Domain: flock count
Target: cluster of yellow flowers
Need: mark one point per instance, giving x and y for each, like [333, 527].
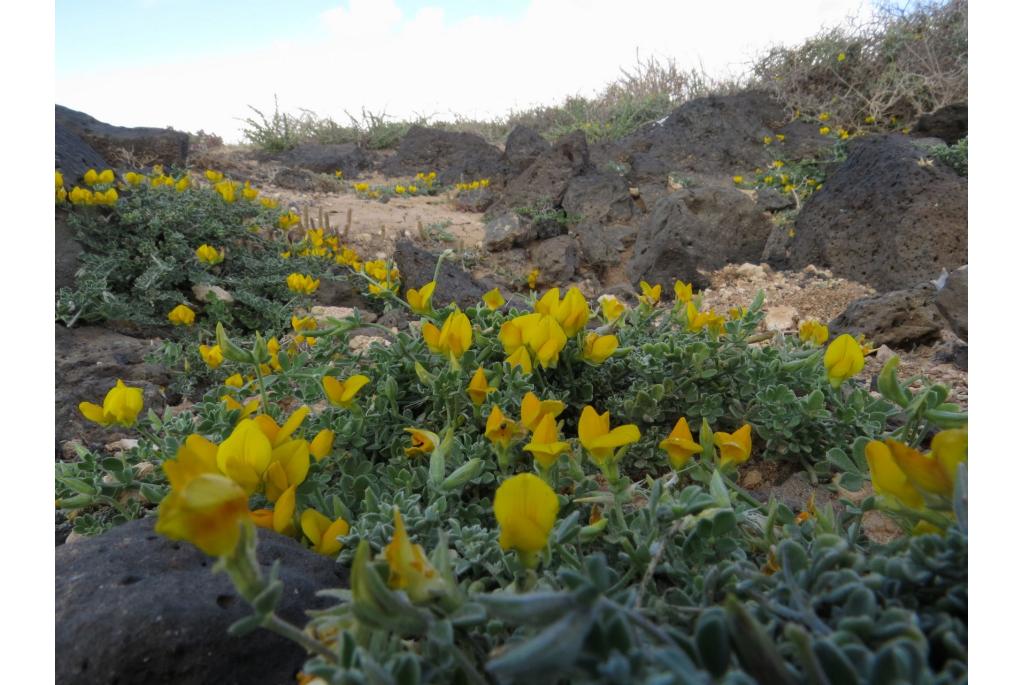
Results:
[426, 179]
[182, 315]
[87, 196]
[211, 485]
[303, 284]
[208, 254]
[474, 185]
[778, 137]
[287, 220]
[381, 278]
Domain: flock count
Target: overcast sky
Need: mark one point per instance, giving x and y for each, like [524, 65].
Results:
[195, 64]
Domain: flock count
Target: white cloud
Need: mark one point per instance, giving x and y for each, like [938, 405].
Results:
[427, 64]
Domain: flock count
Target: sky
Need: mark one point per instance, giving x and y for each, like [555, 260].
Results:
[195, 64]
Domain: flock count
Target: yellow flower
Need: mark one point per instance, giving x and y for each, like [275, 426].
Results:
[399, 190]
[281, 518]
[546, 340]
[734, 448]
[521, 358]
[207, 511]
[245, 455]
[949, 447]
[181, 316]
[499, 429]
[778, 164]
[209, 254]
[493, 299]
[234, 381]
[213, 356]
[410, 570]
[531, 278]
[412, 190]
[841, 57]
[279, 435]
[268, 202]
[736, 313]
[419, 300]
[844, 359]
[611, 308]
[888, 478]
[302, 283]
[226, 189]
[597, 348]
[183, 184]
[767, 140]
[737, 179]
[651, 295]
[286, 220]
[684, 291]
[454, 338]
[700, 320]
[133, 179]
[571, 313]
[869, 119]
[526, 508]
[288, 468]
[824, 116]
[813, 331]
[248, 192]
[342, 394]
[680, 444]
[599, 440]
[769, 179]
[194, 458]
[544, 444]
[532, 410]
[423, 442]
[323, 532]
[824, 130]
[214, 176]
[321, 445]
[478, 388]
[514, 331]
[843, 134]
[121, 405]
[780, 137]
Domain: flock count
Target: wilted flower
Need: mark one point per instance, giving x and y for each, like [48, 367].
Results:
[680, 444]
[121, 405]
[734, 448]
[207, 510]
[342, 394]
[410, 570]
[181, 315]
[526, 508]
[844, 359]
[423, 442]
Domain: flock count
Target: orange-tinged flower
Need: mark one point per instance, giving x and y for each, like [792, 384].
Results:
[680, 445]
[423, 442]
[342, 394]
[544, 445]
[323, 532]
[195, 457]
[735, 447]
[499, 429]
[599, 440]
[411, 571]
[478, 388]
[281, 518]
[949, 447]
[888, 478]
[923, 470]
[813, 331]
[207, 511]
